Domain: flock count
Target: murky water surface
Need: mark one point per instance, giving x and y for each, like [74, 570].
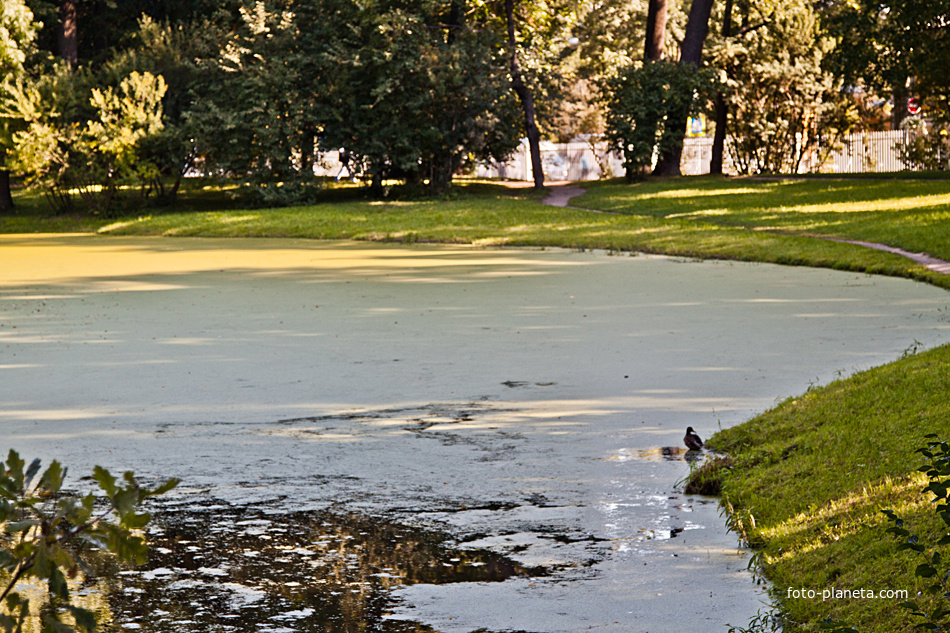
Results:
[227, 568]
[378, 438]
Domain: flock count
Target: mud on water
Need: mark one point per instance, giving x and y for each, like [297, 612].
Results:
[235, 569]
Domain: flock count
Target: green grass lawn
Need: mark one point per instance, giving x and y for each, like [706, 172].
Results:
[810, 477]
[743, 219]
[910, 214]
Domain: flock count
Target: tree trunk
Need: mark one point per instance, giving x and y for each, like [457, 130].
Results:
[719, 138]
[722, 111]
[656, 30]
[307, 146]
[697, 27]
[456, 20]
[441, 171]
[899, 111]
[6, 198]
[68, 37]
[527, 100]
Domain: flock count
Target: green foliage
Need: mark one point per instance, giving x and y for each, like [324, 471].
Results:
[762, 622]
[45, 534]
[17, 32]
[89, 148]
[171, 52]
[639, 101]
[929, 144]
[786, 115]
[932, 608]
[408, 96]
[419, 108]
[885, 43]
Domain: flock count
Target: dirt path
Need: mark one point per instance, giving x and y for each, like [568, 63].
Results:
[932, 263]
[562, 194]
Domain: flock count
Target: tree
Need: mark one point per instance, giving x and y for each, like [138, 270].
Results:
[82, 140]
[898, 48]
[249, 113]
[169, 51]
[639, 102]
[786, 114]
[722, 115]
[17, 31]
[417, 105]
[68, 35]
[406, 93]
[526, 97]
[691, 53]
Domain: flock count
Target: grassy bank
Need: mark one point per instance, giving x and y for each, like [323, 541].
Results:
[810, 477]
[740, 219]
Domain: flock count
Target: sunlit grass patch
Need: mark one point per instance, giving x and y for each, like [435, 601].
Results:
[815, 472]
[773, 221]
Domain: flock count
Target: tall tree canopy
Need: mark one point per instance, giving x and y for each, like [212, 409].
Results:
[406, 93]
[17, 31]
[893, 47]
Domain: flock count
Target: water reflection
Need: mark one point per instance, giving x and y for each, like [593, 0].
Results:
[658, 453]
[237, 569]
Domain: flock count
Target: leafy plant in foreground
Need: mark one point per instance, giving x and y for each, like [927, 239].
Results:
[44, 534]
[930, 570]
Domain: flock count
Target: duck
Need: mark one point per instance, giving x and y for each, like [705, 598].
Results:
[693, 442]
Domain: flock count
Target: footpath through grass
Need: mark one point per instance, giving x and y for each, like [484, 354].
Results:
[742, 219]
[810, 477]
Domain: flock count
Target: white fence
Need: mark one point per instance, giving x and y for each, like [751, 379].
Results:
[859, 153]
[586, 161]
[869, 152]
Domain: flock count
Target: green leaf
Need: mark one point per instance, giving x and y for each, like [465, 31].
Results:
[42, 567]
[135, 521]
[125, 501]
[105, 480]
[20, 526]
[925, 570]
[57, 584]
[164, 487]
[51, 624]
[14, 601]
[15, 467]
[84, 618]
[53, 477]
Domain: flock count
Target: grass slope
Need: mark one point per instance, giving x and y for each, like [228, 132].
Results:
[741, 219]
[810, 477]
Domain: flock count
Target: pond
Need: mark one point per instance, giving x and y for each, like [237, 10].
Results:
[425, 438]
